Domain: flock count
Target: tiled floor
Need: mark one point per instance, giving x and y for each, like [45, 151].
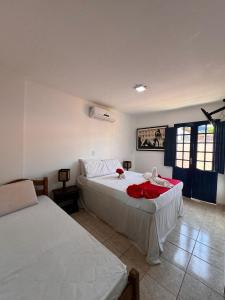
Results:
[192, 264]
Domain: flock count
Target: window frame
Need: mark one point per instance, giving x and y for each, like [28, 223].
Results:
[194, 144]
[183, 160]
[205, 152]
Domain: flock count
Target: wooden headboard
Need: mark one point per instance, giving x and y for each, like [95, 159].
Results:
[41, 185]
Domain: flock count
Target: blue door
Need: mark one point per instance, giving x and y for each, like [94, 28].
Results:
[195, 160]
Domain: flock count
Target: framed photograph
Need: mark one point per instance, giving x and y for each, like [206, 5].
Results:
[151, 138]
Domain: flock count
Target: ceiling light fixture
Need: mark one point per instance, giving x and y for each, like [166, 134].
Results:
[140, 88]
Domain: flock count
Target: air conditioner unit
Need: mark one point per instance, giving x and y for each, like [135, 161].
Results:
[101, 113]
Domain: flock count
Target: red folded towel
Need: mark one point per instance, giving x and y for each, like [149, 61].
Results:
[135, 190]
[148, 190]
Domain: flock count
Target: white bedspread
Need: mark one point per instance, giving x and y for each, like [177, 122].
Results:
[46, 255]
[111, 185]
[147, 222]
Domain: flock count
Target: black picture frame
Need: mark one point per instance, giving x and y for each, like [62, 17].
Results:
[151, 138]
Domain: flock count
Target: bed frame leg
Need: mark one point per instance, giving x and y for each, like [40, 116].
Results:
[131, 291]
[133, 279]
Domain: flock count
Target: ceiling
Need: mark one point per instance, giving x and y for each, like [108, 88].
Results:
[99, 49]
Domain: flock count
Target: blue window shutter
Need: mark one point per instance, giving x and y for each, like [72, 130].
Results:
[219, 147]
[170, 147]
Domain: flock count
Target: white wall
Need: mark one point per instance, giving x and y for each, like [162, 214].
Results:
[144, 161]
[43, 129]
[11, 125]
[58, 131]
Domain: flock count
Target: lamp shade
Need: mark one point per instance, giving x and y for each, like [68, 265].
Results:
[64, 175]
[127, 164]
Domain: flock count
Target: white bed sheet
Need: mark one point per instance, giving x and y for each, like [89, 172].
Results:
[147, 222]
[45, 254]
[111, 185]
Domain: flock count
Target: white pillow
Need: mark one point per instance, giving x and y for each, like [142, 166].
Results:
[97, 167]
[16, 196]
[112, 165]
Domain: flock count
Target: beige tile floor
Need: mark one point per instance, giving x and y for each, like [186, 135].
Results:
[192, 264]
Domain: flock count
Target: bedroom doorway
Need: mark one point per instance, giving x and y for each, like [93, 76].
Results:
[194, 163]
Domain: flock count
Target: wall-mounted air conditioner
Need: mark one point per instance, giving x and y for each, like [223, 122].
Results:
[101, 113]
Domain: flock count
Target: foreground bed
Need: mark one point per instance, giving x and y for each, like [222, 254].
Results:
[146, 222]
[45, 254]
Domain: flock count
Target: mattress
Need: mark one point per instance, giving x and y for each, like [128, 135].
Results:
[111, 185]
[45, 254]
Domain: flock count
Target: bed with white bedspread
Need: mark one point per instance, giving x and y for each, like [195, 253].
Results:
[45, 254]
[147, 222]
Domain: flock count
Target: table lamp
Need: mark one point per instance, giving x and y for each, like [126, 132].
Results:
[64, 176]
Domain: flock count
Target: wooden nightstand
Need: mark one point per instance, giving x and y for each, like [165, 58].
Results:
[67, 198]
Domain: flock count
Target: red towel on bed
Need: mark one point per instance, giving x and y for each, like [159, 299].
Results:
[148, 190]
[171, 180]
